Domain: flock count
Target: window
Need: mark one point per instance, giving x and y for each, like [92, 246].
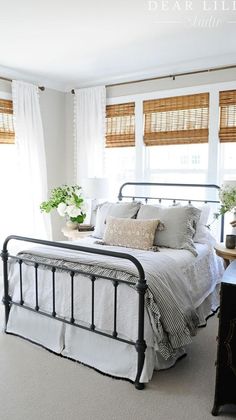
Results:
[7, 135]
[196, 159]
[179, 163]
[181, 122]
[172, 139]
[120, 142]
[120, 125]
[227, 116]
[176, 120]
[227, 133]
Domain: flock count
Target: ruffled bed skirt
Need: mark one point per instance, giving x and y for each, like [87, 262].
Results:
[104, 354]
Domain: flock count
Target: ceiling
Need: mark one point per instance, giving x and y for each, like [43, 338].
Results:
[74, 43]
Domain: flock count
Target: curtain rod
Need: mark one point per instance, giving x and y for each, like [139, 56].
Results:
[10, 80]
[172, 76]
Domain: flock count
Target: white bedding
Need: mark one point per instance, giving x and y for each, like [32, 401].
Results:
[199, 274]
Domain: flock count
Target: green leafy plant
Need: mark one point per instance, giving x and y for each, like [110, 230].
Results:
[227, 196]
[68, 202]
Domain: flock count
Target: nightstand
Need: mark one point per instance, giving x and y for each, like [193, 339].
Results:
[225, 386]
[73, 234]
[225, 253]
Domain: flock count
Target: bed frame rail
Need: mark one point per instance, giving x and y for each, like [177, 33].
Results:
[141, 287]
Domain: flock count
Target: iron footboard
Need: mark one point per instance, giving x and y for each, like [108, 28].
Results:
[141, 287]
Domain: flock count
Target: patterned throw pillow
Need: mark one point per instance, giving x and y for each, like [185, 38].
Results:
[130, 233]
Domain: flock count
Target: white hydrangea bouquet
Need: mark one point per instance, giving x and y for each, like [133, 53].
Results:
[227, 196]
[68, 202]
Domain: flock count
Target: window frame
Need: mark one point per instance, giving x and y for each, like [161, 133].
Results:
[215, 173]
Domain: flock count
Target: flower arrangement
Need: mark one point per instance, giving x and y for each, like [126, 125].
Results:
[227, 196]
[68, 202]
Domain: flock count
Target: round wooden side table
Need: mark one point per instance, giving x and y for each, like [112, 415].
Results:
[73, 234]
[225, 253]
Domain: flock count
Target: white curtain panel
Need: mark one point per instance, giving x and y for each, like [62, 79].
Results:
[90, 108]
[32, 173]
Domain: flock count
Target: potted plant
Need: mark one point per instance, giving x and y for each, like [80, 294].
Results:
[69, 204]
[227, 196]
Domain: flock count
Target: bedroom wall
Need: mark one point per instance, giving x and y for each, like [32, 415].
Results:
[5, 86]
[165, 84]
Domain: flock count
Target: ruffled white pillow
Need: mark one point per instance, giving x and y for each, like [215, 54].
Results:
[179, 225]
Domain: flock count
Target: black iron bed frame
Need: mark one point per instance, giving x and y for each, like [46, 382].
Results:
[141, 286]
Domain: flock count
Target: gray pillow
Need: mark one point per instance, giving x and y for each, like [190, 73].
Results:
[121, 210]
[179, 225]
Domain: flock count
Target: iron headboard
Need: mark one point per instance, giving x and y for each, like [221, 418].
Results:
[146, 197]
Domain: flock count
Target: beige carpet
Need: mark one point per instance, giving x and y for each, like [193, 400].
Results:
[37, 385]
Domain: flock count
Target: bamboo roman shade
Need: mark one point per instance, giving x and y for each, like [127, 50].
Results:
[120, 125]
[176, 120]
[227, 116]
[7, 135]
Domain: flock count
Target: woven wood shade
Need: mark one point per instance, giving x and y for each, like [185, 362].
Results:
[120, 125]
[176, 120]
[227, 116]
[7, 134]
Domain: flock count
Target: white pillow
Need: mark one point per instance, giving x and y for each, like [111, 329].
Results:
[130, 233]
[202, 232]
[122, 210]
[179, 225]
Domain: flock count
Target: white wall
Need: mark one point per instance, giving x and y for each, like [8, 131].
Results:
[5, 86]
[166, 84]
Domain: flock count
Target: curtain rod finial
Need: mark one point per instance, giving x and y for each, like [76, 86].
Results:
[73, 91]
[42, 88]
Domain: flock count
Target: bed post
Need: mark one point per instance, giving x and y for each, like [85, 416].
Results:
[6, 298]
[140, 344]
